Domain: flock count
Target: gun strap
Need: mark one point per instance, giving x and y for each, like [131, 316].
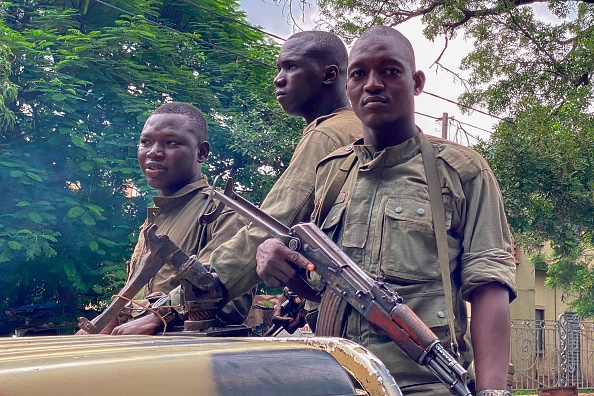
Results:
[332, 193]
[441, 236]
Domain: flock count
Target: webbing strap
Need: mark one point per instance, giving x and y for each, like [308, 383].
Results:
[332, 193]
[438, 213]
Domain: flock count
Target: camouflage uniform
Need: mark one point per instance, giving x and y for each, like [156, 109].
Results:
[290, 200]
[382, 219]
[177, 217]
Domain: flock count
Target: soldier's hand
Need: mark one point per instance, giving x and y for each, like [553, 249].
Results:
[277, 265]
[145, 325]
[106, 330]
[289, 323]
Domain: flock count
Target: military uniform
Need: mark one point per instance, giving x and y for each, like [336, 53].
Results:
[177, 217]
[382, 219]
[290, 200]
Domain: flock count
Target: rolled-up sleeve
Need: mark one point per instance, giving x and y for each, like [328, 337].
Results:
[486, 244]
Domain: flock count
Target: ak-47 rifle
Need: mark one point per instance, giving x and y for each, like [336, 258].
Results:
[344, 279]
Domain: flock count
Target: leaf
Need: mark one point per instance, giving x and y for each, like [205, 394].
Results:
[75, 212]
[16, 173]
[78, 141]
[86, 166]
[69, 269]
[14, 245]
[88, 220]
[93, 245]
[35, 217]
[23, 204]
[34, 176]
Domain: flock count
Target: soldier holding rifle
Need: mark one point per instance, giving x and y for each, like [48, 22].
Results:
[374, 199]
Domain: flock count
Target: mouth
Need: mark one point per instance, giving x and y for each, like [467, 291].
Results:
[374, 101]
[154, 170]
[280, 94]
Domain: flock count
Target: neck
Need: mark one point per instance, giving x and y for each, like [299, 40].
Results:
[327, 106]
[381, 138]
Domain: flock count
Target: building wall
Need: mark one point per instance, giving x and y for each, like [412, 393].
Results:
[532, 292]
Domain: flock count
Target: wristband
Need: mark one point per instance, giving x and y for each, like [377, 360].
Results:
[493, 392]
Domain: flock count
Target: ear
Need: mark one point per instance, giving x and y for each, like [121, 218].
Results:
[203, 151]
[330, 74]
[419, 79]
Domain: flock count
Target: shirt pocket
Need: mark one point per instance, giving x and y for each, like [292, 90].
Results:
[408, 249]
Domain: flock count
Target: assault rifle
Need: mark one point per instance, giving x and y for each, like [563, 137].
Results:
[344, 280]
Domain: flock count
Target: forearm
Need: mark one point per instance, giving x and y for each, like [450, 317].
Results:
[490, 331]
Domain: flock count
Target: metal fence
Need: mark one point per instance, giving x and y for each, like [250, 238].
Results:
[547, 353]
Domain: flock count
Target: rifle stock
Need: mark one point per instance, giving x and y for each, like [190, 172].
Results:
[342, 277]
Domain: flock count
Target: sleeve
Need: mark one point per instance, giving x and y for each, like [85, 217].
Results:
[486, 243]
[290, 201]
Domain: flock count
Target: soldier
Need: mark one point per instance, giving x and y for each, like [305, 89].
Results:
[311, 84]
[171, 150]
[384, 219]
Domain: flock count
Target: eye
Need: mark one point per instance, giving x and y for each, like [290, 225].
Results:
[292, 66]
[143, 141]
[356, 74]
[392, 71]
[173, 143]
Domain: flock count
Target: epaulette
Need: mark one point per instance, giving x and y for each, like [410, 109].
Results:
[464, 160]
[342, 152]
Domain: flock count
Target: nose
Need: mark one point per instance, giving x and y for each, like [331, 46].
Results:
[374, 82]
[279, 81]
[155, 151]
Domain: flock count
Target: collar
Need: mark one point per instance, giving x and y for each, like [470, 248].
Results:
[323, 118]
[180, 196]
[390, 156]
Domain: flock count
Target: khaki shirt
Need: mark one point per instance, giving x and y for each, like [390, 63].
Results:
[290, 200]
[177, 217]
[382, 219]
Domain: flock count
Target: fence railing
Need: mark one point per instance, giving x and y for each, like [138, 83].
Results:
[547, 353]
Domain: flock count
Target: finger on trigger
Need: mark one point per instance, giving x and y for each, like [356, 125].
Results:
[301, 261]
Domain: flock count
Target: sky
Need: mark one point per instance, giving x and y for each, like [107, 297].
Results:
[274, 18]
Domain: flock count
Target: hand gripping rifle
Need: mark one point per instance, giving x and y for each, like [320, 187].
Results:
[344, 279]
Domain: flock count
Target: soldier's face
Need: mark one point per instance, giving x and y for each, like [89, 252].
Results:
[299, 79]
[170, 153]
[381, 81]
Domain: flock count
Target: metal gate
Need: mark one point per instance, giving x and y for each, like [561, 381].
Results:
[547, 353]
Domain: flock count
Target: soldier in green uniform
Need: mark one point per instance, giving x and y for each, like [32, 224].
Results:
[171, 150]
[383, 218]
[311, 84]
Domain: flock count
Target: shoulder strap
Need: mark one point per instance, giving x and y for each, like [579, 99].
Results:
[438, 213]
[335, 186]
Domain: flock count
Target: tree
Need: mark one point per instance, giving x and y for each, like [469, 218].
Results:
[537, 74]
[77, 81]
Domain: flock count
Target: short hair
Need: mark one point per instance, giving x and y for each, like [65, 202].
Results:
[195, 116]
[386, 31]
[329, 47]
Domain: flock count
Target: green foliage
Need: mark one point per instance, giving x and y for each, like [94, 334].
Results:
[77, 81]
[544, 166]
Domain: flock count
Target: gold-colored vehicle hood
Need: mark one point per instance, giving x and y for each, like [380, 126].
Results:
[183, 365]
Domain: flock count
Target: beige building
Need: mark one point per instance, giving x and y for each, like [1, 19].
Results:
[535, 301]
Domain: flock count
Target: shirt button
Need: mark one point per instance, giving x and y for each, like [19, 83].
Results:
[349, 148]
[441, 314]
[441, 147]
[398, 209]
[421, 211]
[333, 218]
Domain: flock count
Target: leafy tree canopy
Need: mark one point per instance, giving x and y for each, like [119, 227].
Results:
[538, 73]
[77, 81]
